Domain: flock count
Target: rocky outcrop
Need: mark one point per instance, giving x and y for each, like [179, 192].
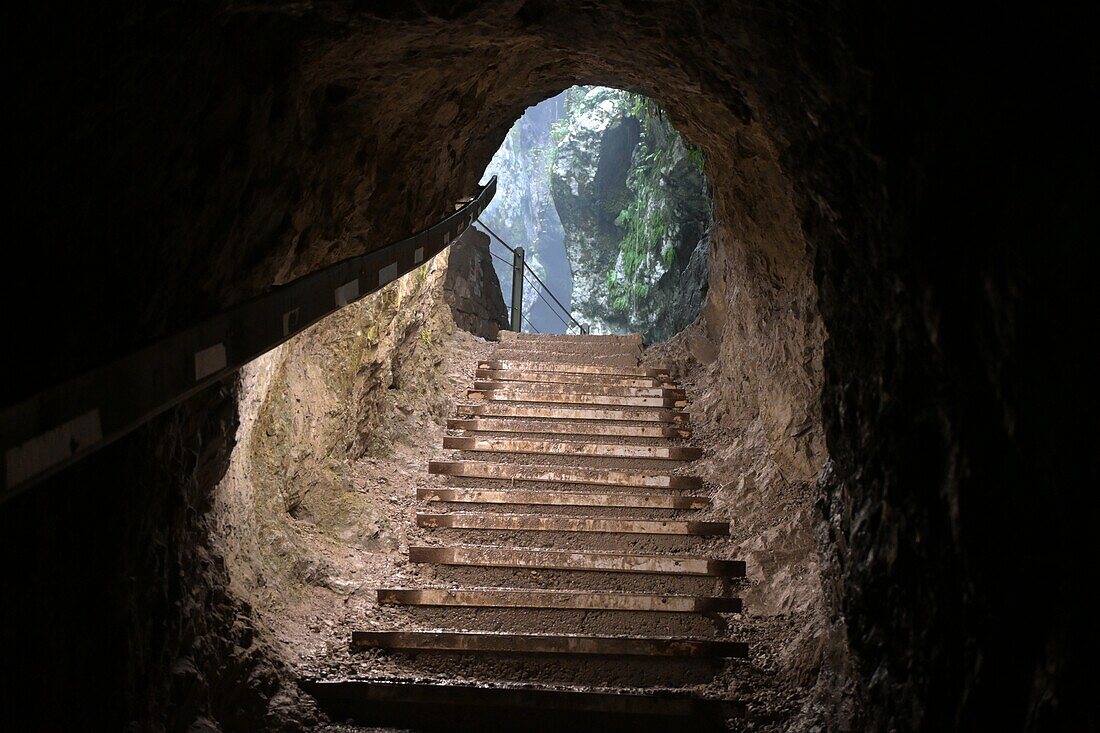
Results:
[634, 205]
[471, 287]
[686, 294]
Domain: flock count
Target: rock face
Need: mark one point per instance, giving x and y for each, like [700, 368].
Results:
[635, 206]
[472, 289]
[354, 385]
[895, 296]
[523, 213]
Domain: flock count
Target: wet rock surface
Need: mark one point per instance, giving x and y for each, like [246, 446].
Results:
[634, 205]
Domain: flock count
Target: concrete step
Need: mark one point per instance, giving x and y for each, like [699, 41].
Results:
[573, 448]
[543, 523]
[530, 395]
[559, 599]
[581, 561]
[506, 375]
[564, 367]
[607, 390]
[564, 498]
[548, 412]
[555, 474]
[494, 425]
[493, 642]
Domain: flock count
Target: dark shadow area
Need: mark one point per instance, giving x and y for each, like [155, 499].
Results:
[462, 707]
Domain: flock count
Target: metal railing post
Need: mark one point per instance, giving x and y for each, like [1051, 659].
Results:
[517, 290]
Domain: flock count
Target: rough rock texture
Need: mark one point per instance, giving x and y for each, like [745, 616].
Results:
[800, 676]
[360, 386]
[472, 289]
[915, 183]
[692, 292]
[121, 610]
[634, 206]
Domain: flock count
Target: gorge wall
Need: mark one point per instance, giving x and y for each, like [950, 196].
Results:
[901, 199]
[523, 214]
[612, 209]
[635, 207]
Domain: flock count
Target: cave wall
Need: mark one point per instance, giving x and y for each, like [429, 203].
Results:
[948, 359]
[912, 183]
[355, 386]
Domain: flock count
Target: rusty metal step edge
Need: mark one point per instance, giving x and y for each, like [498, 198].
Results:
[572, 344]
[498, 409]
[558, 599]
[579, 561]
[602, 390]
[511, 340]
[667, 403]
[565, 368]
[618, 357]
[554, 523]
[447, 696]
[504, 425]
[571, 644]
[564, 498]
[632, 338]
[582, 353]
[608, 380]
[557, 474]
[573, 448]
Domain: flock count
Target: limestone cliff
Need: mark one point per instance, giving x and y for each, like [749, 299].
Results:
[635, 207]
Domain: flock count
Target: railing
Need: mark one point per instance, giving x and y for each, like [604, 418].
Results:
[61, 425]
[520, 268]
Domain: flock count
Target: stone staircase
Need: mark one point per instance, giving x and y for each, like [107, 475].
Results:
[572, 567]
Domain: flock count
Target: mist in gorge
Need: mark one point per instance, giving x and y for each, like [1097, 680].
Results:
[612, 209]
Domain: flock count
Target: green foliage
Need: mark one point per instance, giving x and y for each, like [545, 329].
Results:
[695, 155]
[647, 216]
[668, 256]
[558, 130]
[646, 213]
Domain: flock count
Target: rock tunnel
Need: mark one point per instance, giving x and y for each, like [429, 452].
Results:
[895, 323]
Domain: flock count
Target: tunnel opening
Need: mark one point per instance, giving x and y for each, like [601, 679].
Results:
[889, 269]
[612, 209]
[334, 428]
